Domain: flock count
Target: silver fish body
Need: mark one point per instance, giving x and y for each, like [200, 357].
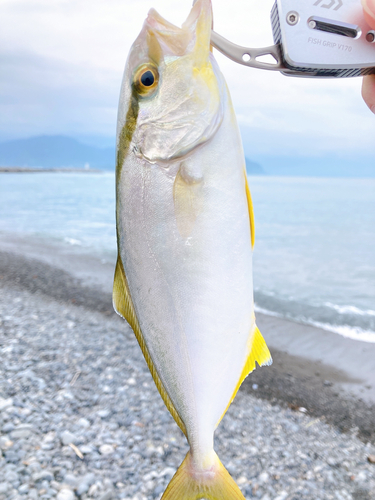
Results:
[185, 232]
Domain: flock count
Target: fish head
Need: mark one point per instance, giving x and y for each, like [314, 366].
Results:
[172, 95]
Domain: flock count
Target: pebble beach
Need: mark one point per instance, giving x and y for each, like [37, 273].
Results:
[80, 417]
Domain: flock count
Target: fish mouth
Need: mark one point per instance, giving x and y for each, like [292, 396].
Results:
[194, 35]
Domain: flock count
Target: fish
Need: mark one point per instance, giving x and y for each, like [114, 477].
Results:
[185, 236]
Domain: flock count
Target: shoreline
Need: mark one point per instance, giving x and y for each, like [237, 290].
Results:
[328, 375]
[33, 170]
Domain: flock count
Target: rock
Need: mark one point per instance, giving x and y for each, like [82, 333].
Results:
[86, 449]
[70, 480]
[371, 459]
[49, 437]
[5, 443]
[263, 478]
[106, 449]
[43, 475]
[241, 480]
[361, 476]
[83, 422]
[65, 494]
[33, 494]
[11, 476]
[282, 495]
[93, 490]
[83, 484]
[34, 466]
[4, 487]
[11, 457]
[68, 438]
[168, 471]
[269, 449]
[107, 495]
[5, 403]
[24, 488]
[103, 413]
[309, 475]
[21, 433]
[8, 427]
[158, 490]
[266, 497]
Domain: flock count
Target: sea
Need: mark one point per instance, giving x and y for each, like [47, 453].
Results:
[314, 255]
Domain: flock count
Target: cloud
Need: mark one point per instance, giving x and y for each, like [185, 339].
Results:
[40, 95]
[62, 62]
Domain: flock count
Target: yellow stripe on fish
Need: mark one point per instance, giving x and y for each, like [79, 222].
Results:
[251, 210]
[123, 305]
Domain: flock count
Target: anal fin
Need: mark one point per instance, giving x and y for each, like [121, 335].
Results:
[258, 353]
[123, 305]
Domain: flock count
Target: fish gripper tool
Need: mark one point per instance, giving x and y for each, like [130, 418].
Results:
[314, 38]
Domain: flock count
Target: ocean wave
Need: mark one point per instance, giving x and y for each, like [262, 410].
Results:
[350, 309]
[351, 332]
[73, 241]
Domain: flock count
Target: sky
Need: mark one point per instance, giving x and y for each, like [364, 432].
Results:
[61, 65]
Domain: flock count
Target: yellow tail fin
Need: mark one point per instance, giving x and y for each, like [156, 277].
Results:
[217, 484]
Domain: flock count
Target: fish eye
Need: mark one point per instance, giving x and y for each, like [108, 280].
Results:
[146, 79]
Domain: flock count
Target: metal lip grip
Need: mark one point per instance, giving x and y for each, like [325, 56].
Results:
[328, 37]
[318, 38]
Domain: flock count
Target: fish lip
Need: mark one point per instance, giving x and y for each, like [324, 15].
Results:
[173, 39]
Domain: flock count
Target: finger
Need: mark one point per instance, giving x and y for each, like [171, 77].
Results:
[368, 86]
[369, 12]
[368, 91]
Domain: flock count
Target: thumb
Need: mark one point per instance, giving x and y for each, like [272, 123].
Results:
[368, 87]
[369, 12]
[368, 91]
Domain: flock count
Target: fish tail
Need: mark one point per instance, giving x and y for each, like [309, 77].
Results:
[215, 484]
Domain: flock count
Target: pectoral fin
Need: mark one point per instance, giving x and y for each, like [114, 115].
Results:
[258, 353]
[123, 305]
[188, 200]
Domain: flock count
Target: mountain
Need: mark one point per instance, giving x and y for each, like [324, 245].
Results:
[54, 151]
[327, 165]
[58, 151]
[253, 168]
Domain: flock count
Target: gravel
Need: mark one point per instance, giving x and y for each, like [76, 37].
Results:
[80, 418]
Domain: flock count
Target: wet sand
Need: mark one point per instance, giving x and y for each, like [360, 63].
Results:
[313, 369]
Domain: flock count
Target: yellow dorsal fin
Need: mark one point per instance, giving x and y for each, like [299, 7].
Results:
[258, 352]
[251, 211]
[123, 305]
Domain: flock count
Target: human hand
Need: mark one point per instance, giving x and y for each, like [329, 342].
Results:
[368, 86]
